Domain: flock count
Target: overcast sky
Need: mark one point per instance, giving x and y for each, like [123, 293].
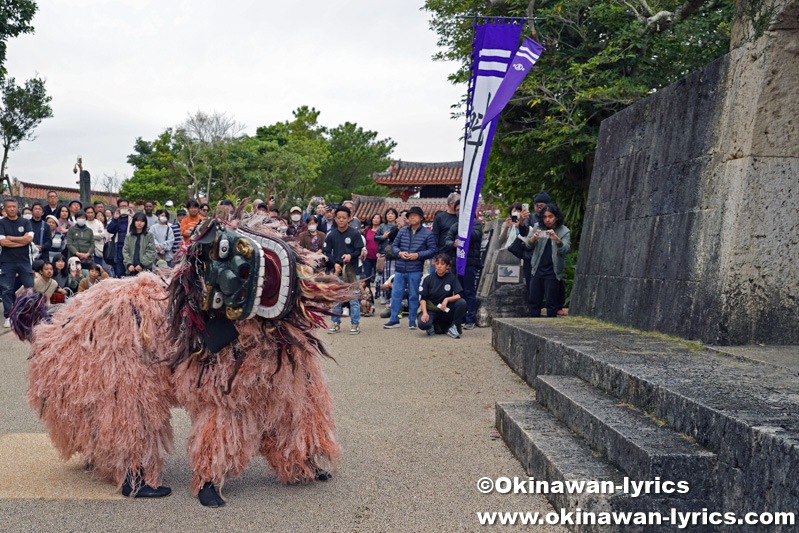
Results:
[123, 69]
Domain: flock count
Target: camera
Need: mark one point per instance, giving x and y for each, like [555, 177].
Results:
[514, 218]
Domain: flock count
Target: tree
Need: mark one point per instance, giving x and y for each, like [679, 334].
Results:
[354, 155]
[108, 182]
[23, 108]
[15, 18]
[293, 153]
[600, 56]
[148, 184]
[293, 160]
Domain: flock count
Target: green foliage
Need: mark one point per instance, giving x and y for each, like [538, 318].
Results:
[600, 56]
[757, 15]
[22, 109]
[354, 155]
[292, 160]
[15, 18]
[148, 183]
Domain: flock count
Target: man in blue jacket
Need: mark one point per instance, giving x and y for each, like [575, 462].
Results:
[414, 244]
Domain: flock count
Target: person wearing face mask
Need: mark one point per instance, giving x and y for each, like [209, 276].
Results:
[164, 237]
[80, 239]
[296, 225]
[512, 223]
[312, 239]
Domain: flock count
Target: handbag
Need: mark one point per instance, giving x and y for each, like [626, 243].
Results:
[389, 252]
[381, 263]
[517, 248]
[109, 252]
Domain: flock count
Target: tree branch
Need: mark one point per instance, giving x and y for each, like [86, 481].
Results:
[657, 22]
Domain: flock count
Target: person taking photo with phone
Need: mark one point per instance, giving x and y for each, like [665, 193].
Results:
[118, 228]
[549, 244]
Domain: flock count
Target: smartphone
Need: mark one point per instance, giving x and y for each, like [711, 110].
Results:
[525, 207]
[514, 218]
[272, 197]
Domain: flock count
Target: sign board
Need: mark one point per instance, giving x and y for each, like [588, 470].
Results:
[509, 273]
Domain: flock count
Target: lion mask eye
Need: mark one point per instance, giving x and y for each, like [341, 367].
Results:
[224, 248]
[217, 302]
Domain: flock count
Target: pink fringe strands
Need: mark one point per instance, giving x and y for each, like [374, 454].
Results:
[96, 382]
[265, 392]
[106, 367]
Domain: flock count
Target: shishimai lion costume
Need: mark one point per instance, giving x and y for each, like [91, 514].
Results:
[228, 335]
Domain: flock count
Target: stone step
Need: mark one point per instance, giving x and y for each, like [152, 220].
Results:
[641, 448]
[746, 412]
[549, 451]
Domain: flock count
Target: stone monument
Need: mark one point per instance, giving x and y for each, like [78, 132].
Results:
[502, 291]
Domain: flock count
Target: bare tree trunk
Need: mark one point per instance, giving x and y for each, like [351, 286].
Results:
[3, 170]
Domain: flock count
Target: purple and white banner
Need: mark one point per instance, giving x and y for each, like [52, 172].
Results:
[497, 73]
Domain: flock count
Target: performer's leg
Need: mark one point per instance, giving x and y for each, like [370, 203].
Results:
[298, 418]
[223, 403]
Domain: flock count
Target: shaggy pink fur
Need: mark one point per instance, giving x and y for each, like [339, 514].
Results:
[96, 383]
[98, 379]
[284, 414]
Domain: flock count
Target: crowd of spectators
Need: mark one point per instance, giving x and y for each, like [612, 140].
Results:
[60, 249]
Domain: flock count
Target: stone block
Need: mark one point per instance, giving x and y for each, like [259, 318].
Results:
[694, 201]
[744, 411]
[627, 438]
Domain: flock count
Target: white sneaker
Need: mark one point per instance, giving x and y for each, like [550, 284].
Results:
[453, 332]
[7, 323]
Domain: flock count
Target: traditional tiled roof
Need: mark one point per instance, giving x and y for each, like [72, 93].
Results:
[367, 206]
[39, 192]
[408, 173]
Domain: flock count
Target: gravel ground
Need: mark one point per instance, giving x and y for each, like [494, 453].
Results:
[414, 414]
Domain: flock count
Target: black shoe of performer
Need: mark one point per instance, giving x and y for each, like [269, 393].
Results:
[322, 475]
[209, 496]
[145, 491]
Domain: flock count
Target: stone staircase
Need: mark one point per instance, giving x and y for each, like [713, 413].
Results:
[613, 403]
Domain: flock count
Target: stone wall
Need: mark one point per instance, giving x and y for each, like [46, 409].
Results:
[692, 222]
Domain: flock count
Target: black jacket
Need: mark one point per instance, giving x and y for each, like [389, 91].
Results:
[42, 238]
[336, 244]
[441, 225]
[475, 241]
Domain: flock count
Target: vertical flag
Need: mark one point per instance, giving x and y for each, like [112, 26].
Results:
[496, 75]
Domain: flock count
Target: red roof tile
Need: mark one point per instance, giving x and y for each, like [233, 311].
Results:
[367, 206]
[417, 174]
[39, 192]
